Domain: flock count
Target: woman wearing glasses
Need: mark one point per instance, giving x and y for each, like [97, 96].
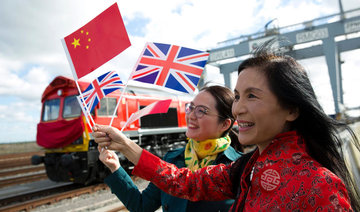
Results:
[209, 126]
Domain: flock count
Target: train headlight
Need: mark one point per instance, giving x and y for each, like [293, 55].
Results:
[59, 92]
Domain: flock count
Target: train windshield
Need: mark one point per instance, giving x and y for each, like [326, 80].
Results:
[51, 109]
[71, 107]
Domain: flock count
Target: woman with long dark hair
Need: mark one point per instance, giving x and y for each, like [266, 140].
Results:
[298, 164]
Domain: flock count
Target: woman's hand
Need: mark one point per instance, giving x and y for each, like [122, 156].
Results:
[111, 138]
[109, 158]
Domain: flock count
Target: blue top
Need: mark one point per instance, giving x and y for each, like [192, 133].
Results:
[152, 197]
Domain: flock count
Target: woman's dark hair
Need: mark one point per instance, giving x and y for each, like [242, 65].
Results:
[224, 99]
[291, 85]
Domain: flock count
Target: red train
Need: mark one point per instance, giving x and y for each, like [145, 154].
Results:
[71, 155]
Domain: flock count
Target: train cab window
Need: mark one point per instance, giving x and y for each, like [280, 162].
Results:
[71, 107]
[107, 106]
[51, 109]
[160, 120]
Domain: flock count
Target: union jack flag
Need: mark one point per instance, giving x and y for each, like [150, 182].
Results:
[101, 87]
[171, 66]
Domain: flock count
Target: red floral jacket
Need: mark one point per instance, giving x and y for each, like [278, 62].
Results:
[283, 178]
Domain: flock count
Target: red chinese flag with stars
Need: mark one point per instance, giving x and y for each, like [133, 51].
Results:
[97, 42]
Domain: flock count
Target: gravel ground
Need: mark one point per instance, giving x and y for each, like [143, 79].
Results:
[99, 201]
[10, 148]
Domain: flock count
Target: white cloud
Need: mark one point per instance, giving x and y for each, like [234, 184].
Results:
[318, 73]
[28, 86]
[19, 121]
[18, 112]
[351, 77]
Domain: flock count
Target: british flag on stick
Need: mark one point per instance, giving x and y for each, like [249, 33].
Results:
[171, 66]
[100, 87]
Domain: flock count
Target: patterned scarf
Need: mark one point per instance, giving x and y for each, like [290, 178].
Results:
[200, 154]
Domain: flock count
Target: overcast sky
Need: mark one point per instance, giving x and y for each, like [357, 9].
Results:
[31, 53]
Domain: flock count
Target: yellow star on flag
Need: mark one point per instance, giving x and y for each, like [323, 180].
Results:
[96, 42]
[76, 42]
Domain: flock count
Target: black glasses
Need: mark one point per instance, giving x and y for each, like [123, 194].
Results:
[199, 110]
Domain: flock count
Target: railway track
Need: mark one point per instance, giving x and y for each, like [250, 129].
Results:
[17, 169]
[17, 173]
[16, 193]
[35, 198]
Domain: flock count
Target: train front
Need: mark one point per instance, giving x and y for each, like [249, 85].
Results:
[70, 155]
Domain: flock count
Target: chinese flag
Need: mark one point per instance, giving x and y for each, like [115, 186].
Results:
[97, 42]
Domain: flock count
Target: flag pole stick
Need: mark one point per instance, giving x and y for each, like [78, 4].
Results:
[127, 84]
[118, 102]
[76, 79]
[86, 108]
[126, 122]
[84, 112]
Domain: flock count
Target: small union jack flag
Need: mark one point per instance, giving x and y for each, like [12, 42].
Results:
[171, 66]
[101, 87]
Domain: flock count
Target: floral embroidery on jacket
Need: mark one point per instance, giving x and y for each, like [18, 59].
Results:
[285, 178]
